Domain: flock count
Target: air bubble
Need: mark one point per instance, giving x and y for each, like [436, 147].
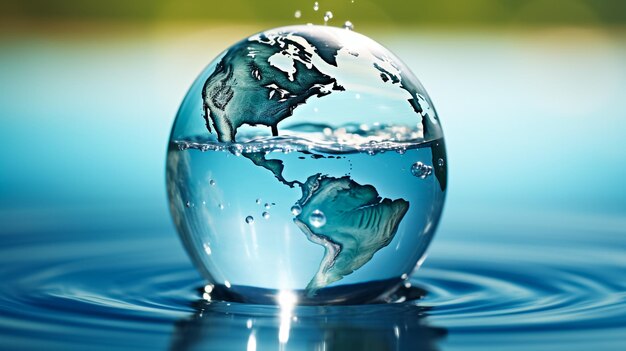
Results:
[258, 201]
[267, 206]
[249, 219]
[212, 182]
[296, 210]
[421, 170]
[317, 219]
[220, 206]
[440, 162]
[266, 215]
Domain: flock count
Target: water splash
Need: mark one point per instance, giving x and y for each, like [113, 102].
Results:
[327, 17]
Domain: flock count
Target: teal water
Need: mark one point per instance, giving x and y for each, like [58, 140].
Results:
[246, 226]
[529, 254]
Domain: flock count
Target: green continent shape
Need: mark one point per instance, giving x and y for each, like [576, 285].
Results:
[358, 224]
[246, 88]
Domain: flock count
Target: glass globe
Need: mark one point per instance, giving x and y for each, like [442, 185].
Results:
[307, 161]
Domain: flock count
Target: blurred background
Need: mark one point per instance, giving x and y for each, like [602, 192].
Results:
[531, 95]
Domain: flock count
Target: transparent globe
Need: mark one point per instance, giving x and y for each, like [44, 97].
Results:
[306, 160]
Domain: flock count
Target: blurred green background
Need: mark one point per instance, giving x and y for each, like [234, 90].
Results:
[379, 12]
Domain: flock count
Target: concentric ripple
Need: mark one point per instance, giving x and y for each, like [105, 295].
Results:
[135, 289]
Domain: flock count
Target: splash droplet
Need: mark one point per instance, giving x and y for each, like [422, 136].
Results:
[249, 219]
[421, 170]
[266, 215]
[212, 182]
[267, 206]
[296, 209]
[316, 6]
[298, 14]
[258, 201]
[317, 219]
[220, 206]
[348, 25]
[328, 16]
[440, 162]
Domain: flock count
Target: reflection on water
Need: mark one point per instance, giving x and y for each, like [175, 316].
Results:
[99, 285]
[233, 326]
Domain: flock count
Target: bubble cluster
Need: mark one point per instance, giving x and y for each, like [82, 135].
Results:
[421, 170]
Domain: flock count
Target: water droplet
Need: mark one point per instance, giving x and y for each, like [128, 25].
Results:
[328, 16]
[298, 14]
[440, 162]
[188, 204]
[220, 206]
[212, 182]
[404, 276]
[249, 219]
[348, 25]
[316, 6]
[207, 249]
[258, 201]
[296, 209]
[266, 215]
[317, 219]
[421, 170]
[267, 206]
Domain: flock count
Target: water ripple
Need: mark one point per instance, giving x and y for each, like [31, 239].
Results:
[120, 292]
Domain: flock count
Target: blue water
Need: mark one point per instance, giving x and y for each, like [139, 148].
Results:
[530, 253]
[108, 284]
[217, 199]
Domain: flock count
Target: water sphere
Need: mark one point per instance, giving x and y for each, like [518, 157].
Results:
[340, 139]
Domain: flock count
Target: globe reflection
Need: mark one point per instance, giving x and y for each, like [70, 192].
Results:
[235, 326]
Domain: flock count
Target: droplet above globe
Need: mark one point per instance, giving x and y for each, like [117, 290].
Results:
[325, 127]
